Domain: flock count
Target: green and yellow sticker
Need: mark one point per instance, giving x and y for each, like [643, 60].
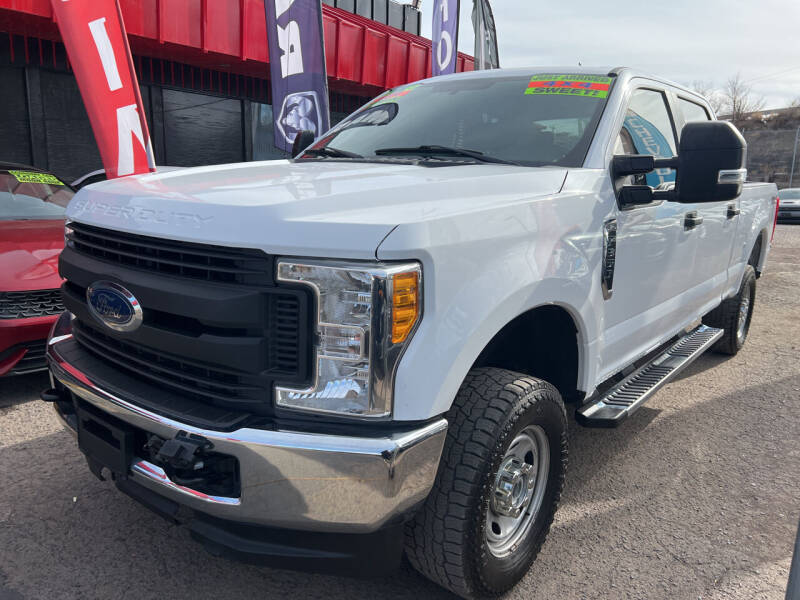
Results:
[397, 93]
[589, 86]
[34, 177]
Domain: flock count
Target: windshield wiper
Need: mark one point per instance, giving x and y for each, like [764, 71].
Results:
[331, 152]
[445, 150]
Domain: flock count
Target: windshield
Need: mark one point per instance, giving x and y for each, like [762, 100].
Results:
[790, 194]
[532, 120]
[32, 195]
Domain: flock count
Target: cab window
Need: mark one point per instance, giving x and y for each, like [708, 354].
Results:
[647, 129]
[692, 112]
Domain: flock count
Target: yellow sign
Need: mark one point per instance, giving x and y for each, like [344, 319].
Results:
[34, 177]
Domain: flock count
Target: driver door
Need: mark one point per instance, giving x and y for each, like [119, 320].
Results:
[654, 253]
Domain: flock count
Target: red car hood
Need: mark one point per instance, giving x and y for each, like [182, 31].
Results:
[29, 254]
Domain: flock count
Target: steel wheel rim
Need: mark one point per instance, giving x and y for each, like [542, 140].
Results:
[522, 478]
[744, 312]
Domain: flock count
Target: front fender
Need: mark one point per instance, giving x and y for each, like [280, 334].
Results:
[482, 270]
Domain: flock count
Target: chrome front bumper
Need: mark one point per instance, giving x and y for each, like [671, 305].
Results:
[289, 479]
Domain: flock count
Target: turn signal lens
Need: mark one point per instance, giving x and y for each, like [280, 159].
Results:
[405, 304]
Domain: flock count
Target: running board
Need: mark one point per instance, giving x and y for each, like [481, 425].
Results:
[622, 400]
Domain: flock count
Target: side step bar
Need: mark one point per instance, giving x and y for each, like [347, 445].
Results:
[623, 399]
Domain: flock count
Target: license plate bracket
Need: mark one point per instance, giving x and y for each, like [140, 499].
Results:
[105, 440]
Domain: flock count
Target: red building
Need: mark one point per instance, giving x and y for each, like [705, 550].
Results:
[203, 69]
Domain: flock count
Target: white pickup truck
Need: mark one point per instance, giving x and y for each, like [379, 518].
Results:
[374, 347]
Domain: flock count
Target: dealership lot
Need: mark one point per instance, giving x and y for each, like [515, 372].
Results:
[698, 495]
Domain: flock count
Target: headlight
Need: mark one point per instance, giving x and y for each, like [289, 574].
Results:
[366, 316]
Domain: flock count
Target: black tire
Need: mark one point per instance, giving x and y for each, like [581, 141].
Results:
[447, 541]
[726, 315]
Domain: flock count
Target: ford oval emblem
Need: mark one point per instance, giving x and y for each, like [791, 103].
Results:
[114, 306]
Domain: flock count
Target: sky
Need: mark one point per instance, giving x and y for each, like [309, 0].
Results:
[682, 40]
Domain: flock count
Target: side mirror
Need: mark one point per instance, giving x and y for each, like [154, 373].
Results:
[302, 140]
[623, 165]
[632, 164]
[636, 195]
[711, 159]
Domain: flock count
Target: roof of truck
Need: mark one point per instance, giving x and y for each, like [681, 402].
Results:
[626, 72]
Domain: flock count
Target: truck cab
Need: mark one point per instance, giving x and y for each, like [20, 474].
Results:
[373, 347]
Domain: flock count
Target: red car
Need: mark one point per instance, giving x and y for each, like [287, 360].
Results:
[32, 205]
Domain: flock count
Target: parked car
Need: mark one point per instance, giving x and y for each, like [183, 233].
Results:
[32, 205]
[790, 205]
[374, 347]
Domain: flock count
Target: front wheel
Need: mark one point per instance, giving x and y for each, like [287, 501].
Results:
[734, 315]
[498, 485]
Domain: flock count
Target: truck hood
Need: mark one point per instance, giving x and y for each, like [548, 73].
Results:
[314, 208]
[29, 254]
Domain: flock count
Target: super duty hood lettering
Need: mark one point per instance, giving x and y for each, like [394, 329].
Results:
[304, 208]
[140, 214]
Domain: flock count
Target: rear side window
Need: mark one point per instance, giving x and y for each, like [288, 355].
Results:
[647, 129]
[692, 112]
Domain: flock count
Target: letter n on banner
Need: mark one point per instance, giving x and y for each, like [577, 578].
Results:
[94, 35]
[297, 69]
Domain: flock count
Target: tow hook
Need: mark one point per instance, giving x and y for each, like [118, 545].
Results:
[183, 452]
[50, 395]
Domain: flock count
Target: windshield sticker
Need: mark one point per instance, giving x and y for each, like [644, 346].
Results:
[34, 177]
[589, 86]
[398, 93]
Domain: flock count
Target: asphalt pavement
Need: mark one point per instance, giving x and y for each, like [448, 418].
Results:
[696, 496]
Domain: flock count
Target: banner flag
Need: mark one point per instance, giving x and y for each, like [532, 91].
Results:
[486, 56]
[297, 69]
[97, 46]
[445, 37]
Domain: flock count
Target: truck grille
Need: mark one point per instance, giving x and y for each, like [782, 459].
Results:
[172, 258]
[24, 305]
[218, 332]
[158, 368]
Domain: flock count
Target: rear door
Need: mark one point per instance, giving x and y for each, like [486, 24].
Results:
[715, 229]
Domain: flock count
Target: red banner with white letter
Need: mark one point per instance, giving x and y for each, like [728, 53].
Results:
[94, 35]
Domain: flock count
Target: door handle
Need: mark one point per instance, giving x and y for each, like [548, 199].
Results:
[733, 211]
[692, 220]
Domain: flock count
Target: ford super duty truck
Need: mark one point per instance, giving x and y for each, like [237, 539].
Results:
[375, 347]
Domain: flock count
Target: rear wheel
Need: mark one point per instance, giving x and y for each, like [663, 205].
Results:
[498, 485]
[734, 315]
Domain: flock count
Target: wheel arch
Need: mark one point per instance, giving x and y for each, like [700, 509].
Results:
[547, 341]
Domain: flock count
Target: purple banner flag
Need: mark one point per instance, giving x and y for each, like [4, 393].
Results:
[297, 69]
[445, 37]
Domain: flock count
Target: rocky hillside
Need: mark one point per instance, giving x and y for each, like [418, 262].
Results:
[770, 139]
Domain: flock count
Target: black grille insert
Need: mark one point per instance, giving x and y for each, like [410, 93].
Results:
[24, 305]
[210, 384]
[170, 257]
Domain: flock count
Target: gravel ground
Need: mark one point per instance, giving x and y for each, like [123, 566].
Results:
[696, 496]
